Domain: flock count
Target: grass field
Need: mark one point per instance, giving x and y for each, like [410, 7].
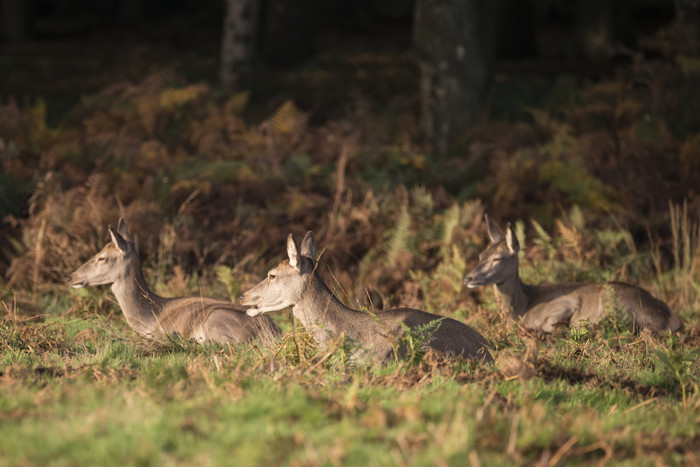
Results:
[78, 387]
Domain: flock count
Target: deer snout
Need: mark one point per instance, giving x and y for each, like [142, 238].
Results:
[246, 300]
[251, 303]
[77, 280]
[75, 284]
[471, 281]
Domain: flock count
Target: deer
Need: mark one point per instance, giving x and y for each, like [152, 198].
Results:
[295, 283]
[542, 307]
[199, 318]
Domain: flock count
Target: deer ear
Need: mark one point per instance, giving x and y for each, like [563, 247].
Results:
[123, 231]
[512, 240]
[293, 253]
[308, 246]
[118, 240]
[494, 231]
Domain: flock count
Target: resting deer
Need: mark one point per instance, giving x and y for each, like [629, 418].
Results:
[199, 318]
[295, 283]
[541, 307]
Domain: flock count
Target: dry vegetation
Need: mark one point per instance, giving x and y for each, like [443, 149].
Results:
[605, 173]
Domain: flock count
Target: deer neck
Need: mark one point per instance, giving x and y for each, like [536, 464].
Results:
[140, 306]
[512, 294]
[321, 313]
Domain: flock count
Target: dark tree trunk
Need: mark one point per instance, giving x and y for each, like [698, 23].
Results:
[454, 40]
[237, 43]
[688, 13]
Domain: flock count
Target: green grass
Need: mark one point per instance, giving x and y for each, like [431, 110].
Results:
[117, 399]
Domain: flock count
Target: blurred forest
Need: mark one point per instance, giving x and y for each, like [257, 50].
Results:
[217, 127]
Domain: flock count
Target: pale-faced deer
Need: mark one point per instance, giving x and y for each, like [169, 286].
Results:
[541, 307]
[199, 318]
[295, 283]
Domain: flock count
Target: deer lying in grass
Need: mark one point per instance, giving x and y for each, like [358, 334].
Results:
[541, 307]
[295, 283]
[199, 318]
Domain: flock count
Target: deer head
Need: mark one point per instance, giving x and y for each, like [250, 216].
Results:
[499, 262]
[111, 264]
[285, 284]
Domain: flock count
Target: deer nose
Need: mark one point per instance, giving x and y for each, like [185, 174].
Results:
[69, 278]
[240, 299]
[468, 279]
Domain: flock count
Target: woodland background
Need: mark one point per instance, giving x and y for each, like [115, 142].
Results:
[388, 128]
[589, 104]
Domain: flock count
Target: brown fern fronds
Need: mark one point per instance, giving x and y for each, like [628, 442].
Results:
[571, 238]
[287, 119]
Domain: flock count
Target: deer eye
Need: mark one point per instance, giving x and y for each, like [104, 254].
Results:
[101, 258]
[271, 276]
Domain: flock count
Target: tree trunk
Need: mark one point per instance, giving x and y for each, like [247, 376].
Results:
[454, 40]
[688, 13]
[237, 43]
